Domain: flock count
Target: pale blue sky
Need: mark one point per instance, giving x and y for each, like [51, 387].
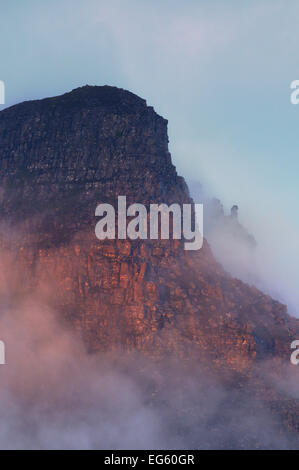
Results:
[219, 71]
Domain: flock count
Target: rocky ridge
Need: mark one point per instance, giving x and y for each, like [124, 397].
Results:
[59, 158]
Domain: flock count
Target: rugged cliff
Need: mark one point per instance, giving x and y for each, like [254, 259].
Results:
[59, 158]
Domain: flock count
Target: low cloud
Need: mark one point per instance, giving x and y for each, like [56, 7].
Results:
[53, 395]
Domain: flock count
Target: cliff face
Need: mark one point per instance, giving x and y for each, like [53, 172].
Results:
[59, 158]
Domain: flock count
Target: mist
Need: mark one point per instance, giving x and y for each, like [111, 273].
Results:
[260, 250]
[54, 395]
[220, 74]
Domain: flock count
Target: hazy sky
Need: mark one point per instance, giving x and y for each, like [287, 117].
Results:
[220, 72]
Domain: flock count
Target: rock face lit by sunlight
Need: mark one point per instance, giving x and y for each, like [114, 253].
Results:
[142, 335]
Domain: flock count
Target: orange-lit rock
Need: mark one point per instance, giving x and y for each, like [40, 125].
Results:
[60, 158]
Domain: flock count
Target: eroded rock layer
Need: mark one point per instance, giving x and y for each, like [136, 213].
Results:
[59, 158]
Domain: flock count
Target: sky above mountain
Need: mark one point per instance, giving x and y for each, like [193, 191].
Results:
[220, 72]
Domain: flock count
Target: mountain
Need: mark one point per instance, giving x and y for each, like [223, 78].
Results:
[59, 158]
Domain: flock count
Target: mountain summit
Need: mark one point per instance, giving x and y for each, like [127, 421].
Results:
[59, 158]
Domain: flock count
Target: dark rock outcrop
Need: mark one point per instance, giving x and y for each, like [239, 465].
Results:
[59, 158]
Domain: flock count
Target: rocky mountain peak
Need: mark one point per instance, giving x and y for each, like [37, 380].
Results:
[59, 158]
